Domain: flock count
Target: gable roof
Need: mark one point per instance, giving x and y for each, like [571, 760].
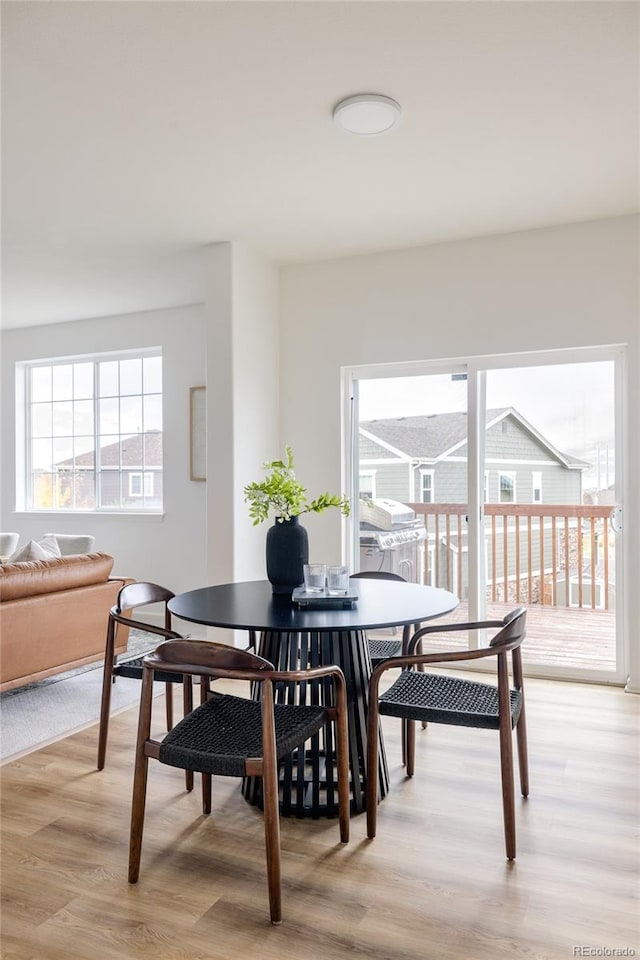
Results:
[432, 437]
[126, 453]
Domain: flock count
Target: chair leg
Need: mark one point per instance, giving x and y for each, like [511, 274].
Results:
[105, 705]
[206, 793]
[137, 818]
[372, 768]
[140, 778]
[523, 753]
[187, 707]
[272, 839]
[168, 699]
[344, 800]
[410, 748]
[508, 799]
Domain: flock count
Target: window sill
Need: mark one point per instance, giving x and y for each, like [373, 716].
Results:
[138, 514]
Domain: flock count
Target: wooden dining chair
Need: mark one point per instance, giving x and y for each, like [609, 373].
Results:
[231, 736]
[132, 596]
[453, 700]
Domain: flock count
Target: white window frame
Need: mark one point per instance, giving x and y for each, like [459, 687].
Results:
[509, 475]
[370, 474]
[431, 475]
[536, 486]
[24, 404]
[146, 483]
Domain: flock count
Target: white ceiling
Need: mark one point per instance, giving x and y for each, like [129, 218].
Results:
[136, 133]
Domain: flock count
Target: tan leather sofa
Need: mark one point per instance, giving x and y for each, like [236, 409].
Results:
[53, 615]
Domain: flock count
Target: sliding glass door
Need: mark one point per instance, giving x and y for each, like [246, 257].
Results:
[499, 480]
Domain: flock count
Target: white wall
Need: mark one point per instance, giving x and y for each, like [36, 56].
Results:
[568, 286]
[243, 402]
[169, 549]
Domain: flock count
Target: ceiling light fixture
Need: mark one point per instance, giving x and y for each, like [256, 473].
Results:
[367, 114]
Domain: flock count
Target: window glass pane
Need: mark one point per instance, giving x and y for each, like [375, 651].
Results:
[108, 378]
[41, 420]
[152, 374]
[506, 488]
[83, 418]
[63, 453]
[131, 414]
[109, 416]
[131, 452]
[63, 382]
[42, 491]
[42, 455]
[153, 449]
[130, 377]
[84, 452]
[109, 482]
[82, 380]
[85, 490]
[152, 406]
[109, 454]
[62, 418]
[40, 384]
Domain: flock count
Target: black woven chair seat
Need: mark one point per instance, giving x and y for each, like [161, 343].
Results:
[441, 699]
[218, 736]
[132, 667]
[383, 649]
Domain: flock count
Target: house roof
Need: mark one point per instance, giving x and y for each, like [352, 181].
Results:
[126, 453]
[434, 436]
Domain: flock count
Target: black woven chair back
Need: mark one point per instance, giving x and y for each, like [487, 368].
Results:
[381, 648]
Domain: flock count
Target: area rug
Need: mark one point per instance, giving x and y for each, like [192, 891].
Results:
[42, 712]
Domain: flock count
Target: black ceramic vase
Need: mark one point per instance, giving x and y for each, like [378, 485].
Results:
[287, 553]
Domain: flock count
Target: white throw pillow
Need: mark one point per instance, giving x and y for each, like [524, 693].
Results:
[44, 549]
[30, 551]
[50, 545]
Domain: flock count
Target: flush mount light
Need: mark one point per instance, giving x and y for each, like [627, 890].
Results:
[367, 114]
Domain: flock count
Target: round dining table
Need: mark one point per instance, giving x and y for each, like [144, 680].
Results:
[327, 631]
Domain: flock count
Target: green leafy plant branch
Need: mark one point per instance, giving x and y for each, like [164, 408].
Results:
[282, 495]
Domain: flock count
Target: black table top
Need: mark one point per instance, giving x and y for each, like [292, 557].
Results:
[252, 606]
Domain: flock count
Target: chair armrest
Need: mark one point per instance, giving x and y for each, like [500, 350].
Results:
[451, 628]
[146, 627]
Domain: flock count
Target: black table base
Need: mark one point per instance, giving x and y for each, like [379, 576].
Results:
[308, 780]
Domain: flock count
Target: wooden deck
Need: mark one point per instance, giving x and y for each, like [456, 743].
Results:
[562, 637]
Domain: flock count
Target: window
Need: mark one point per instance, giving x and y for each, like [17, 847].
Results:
[94, 433]
[537, 487]
[426, 486]
[141, 484]
[367, 485]
[506, 488]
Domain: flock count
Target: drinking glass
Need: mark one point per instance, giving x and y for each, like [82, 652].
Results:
[338, 580]
[315, 575]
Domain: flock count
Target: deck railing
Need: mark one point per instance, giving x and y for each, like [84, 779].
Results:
[555, 555]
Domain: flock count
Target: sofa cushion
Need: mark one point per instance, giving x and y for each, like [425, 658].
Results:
[33, 577]
[69, 543]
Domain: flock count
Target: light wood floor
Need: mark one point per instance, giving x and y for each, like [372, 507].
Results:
[433, 884]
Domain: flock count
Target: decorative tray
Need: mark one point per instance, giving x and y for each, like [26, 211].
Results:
[301, 598]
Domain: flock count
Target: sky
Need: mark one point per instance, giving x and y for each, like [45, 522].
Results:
[572, 405]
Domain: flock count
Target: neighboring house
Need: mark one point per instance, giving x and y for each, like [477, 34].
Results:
[424, 460]
[129, 470]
